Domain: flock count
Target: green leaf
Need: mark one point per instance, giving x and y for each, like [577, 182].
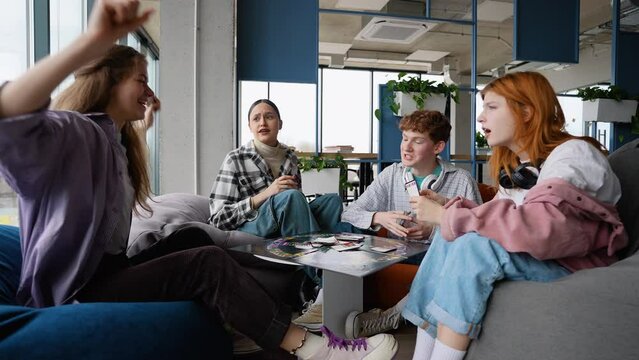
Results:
[613, 92]
[395, 108]
[378, 114]
[480, 140]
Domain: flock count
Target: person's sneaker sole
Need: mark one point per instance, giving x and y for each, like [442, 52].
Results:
[390, 346]
[311, 327]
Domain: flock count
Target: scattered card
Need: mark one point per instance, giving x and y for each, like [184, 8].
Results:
[383, 249]
[331, 240]
[348, 237]
[304, 246]
[346, 246]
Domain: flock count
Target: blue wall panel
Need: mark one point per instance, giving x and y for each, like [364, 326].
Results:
[546, 30]
[390, 137]
[625, 63]
[277, 40]
[626, 76]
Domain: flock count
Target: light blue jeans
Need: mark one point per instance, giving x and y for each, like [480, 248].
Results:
[289, 214]
[455, 280]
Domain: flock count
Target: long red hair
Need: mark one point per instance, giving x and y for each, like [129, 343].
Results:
[539, 120]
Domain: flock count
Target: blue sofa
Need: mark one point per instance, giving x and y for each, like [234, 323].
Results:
[175, 330]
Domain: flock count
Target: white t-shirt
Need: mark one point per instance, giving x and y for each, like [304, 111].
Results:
[582, 165]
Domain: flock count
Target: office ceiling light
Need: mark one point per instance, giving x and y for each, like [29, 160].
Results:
[361, 4]
[427, 55]
[494, 11]
[393, 30]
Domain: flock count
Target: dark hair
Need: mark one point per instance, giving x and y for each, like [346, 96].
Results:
[434, 123]
[267, 102]
[91, 92]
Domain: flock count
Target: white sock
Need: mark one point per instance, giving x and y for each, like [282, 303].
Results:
[311, 345]
[320, 297]
[442, 351]
[423, 345]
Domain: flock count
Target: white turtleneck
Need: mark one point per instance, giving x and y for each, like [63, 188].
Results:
[273, 155]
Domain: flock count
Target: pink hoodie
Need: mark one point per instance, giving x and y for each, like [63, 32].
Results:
[556, 221]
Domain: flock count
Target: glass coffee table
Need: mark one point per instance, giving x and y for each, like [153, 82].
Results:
[343, 271]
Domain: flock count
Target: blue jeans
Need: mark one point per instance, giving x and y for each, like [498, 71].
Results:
[289, 214]
[455, 280]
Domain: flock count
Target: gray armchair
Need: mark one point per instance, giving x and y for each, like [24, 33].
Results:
[591, 314]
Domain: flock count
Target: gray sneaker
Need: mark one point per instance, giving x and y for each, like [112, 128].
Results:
[378, 347]
[362, 324]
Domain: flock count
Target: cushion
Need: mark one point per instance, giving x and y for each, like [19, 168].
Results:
[10, 263]
[95, 331]
[179, 212]
[625, 165]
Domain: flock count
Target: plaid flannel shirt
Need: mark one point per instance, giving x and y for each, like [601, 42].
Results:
[244, 174]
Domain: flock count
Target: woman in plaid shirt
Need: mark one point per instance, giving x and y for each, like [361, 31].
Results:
[257, 188]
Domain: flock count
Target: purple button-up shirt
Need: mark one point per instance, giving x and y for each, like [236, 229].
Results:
[67, 169]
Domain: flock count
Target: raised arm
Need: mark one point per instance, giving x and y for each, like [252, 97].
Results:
[110, 20]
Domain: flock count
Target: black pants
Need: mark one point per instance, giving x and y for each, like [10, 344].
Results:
[206, 274]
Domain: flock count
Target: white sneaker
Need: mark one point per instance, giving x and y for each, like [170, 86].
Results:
[311, 317]
[378, 347]
[359, 324]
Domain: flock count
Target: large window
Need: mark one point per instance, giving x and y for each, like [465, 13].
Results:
[14, 60]
[348, 99]
[14, 39]
[346, 109]
[296, 103]
[66, 21]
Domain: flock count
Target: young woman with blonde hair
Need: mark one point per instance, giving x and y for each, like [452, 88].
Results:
[79, 171]
[554, 214]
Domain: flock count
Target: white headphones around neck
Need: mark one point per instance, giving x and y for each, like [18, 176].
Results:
[431, 182]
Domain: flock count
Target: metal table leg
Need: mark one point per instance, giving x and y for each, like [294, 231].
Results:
[342, 294]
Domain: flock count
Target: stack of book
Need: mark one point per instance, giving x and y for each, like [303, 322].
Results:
[339, 148]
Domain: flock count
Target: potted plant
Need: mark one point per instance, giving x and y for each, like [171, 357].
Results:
[406, 95]
[319, 174]
[481, 143]
[608, 105]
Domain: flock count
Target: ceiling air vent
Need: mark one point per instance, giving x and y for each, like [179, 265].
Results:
[393, 31]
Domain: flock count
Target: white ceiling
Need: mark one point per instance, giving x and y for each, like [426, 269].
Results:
[494, 40]
[338, 32]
